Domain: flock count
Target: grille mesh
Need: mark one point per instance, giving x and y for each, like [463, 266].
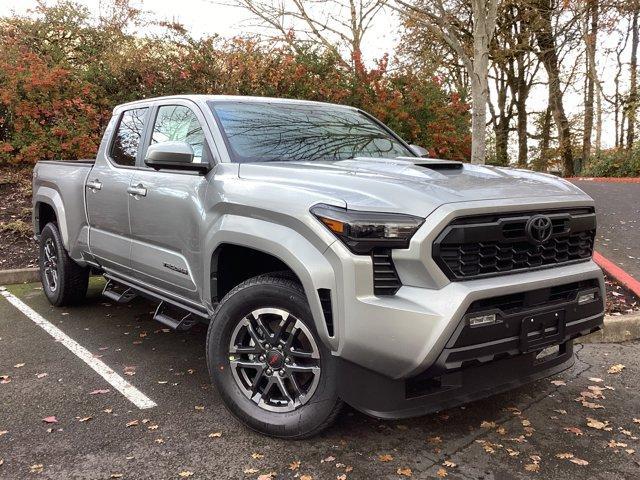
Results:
[468, 250]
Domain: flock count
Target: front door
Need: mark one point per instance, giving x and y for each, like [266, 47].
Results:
[106, 193]
[166, 213]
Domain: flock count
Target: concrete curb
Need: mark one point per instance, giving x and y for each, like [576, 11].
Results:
[616, 329]
[19, 275]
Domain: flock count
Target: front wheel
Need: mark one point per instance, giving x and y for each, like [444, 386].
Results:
[266, 360]
[64, 281]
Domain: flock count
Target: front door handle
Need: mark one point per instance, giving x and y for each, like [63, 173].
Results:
[137, 191]
[95, 185]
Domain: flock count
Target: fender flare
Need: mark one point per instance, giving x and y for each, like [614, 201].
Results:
[51, 197]
[289, 246]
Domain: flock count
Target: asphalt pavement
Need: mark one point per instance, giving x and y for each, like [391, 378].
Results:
[537, 431]
[618, 213]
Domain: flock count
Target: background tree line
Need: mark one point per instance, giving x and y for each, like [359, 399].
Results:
[543, 84]
[62, 70]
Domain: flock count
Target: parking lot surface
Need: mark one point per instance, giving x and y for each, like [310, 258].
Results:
[618, 212]
[538, 431]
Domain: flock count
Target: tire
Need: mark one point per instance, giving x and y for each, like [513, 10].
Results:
[310, 413]
[71, 280]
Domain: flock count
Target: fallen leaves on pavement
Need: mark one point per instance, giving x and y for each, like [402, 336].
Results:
[385, 457]
[617, 368]
[50, 419]
[405, 472]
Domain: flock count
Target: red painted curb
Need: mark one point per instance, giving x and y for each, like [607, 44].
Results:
[616, 272]
[607, 179]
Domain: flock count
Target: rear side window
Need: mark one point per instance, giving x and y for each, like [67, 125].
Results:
[128, 136]
[176, 123]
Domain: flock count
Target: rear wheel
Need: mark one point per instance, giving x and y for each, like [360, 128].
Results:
[264, 356]
[64, 281]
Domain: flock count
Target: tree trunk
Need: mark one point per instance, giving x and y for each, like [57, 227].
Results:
[633, 82]
[549, 58]
[545, 139]
[591, 42]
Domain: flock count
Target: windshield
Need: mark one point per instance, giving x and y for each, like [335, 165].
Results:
[264, 132]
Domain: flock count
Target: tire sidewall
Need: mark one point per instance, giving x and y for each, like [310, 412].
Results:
[233, 309]
[51, 231]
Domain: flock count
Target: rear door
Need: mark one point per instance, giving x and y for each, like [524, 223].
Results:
[166, 220]
[106, 192]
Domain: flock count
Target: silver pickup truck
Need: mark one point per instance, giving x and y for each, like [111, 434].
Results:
[332, 262]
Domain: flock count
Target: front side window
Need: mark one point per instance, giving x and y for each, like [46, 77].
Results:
[263, 132]
[128, 136]
[175, 123]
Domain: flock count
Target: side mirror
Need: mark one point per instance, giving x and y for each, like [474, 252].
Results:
[173, 156]
[419, 151]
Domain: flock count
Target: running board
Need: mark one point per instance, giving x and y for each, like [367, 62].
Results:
[165, 315]
[118, 293]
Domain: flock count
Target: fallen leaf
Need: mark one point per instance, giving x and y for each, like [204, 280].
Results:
[341, 477]
[51, 419]
[512, 452]
[434, 440]
[574, 430]
[133, 423]
[249, 471]
[116, 475]
[441, 473]
[614, 444]
[3, 432]
[591, 405]
[501, 430]
[19, 365]
[215, 435]
[561, 411]
[579, 461]
[257, 456]
[630, 451]
[108, 410]
[41, 375]
[405, 472]
[486, 424]
[36, 468]
[294, 465]
[558, 383]
[597, 424]
[617, 368]
[185, 474]
[99, 392]
[159, 440]
[449, 463]
[532, 467]
[199, 407]
[266, 476]
[564, 456]
[636, 420]
[84, 419]
[385, 457]
[595, 379]
[526, 423]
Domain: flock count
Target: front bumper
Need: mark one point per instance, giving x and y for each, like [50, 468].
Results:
[479, 361]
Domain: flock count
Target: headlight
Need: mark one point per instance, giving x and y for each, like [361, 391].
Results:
[364, 231]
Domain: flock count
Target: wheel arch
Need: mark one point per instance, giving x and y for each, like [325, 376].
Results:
[48, 201]
[275, 243]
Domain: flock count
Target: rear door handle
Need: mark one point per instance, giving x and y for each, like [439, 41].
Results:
[137, 191]
[95, 185]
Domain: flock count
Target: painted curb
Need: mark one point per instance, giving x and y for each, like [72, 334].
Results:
[616, 329]
[19, 275]
[618, 273]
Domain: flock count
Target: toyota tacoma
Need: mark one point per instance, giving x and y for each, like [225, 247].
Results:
[332, 261]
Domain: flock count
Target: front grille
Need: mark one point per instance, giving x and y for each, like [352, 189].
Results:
[489, 245]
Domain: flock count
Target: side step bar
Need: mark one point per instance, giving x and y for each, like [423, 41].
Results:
[174, 317]
[118, 293]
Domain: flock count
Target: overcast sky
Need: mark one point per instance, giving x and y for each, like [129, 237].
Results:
[207, 17]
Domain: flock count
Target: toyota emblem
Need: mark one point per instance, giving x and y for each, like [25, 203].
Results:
[539, 229]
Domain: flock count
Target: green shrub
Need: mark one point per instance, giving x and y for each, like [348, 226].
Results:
[614, 163]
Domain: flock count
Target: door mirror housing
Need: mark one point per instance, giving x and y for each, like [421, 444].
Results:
[173, 156]
[419, 151]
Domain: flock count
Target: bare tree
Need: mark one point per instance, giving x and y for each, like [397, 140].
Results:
[337, 25]
[440, 17]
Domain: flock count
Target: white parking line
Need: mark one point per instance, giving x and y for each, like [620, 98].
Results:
[134, 395]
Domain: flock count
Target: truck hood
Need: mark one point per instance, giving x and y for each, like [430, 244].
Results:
[408, 185]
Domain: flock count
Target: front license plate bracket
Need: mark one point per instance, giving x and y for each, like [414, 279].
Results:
[542, 330]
